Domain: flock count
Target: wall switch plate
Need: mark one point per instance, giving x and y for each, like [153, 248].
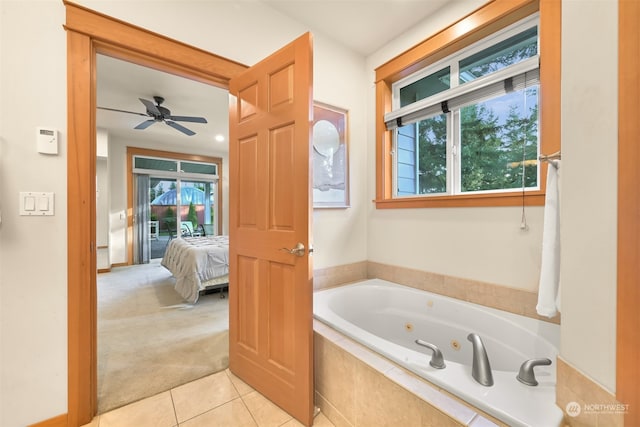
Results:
[33, 203]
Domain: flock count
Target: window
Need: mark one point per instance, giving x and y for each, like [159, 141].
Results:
[469, 123]
[144, 164]
[462, 117]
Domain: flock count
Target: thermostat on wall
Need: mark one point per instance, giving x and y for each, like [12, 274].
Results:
[47, 141]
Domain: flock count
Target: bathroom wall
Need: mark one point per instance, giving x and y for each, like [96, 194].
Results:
[589, 187]
[33, 251]
[486, 244]
[33, 270]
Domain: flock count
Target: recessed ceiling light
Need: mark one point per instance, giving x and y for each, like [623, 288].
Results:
[219, 138]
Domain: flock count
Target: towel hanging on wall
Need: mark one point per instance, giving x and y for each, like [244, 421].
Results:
[549, 287]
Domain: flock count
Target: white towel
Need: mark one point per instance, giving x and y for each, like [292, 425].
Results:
[548, 291]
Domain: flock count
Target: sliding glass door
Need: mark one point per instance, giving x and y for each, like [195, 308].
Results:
[197, 214]
[181, 201]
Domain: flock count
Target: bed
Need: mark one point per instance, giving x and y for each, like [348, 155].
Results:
[197, 264]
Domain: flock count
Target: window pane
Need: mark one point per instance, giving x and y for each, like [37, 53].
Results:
[432, 155]
[425, 87]
[155, 164]
[499, 140]
[422, 164]
[188, 167]
[500, 55]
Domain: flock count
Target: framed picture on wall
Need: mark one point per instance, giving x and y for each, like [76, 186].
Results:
[330, 157]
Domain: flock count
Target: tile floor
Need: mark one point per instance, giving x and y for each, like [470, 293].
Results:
[221, 399]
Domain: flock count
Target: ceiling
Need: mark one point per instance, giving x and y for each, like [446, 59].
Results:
[120, 84]
[363, 26]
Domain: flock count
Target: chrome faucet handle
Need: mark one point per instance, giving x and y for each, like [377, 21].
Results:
[526, 374]
[437, 361]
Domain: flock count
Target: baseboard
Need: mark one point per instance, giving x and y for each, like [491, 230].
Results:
[104, 270]
[59, 421]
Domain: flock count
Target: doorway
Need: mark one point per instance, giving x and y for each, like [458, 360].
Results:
[288, 75]
[159, 176]
[89, 33]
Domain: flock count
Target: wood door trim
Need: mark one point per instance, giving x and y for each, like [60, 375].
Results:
[628, 294]
[89, 33]
[144, 47]
[136, 151]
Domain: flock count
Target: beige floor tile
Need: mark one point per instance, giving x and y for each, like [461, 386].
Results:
[319, 421]
[242, 387]
[322, 421]
[200, 396]
[292, 423]
[266, 413]
[155, 411]
[233, 413]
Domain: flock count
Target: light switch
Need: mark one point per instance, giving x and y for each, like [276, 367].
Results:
[34, 203]
[29, 203]
[43, 203]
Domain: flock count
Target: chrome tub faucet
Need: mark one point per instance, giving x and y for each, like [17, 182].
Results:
[526, 374]
[481, 368]
[437, 361]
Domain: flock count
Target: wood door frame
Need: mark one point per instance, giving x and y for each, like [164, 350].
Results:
[136, 151]
[90, 33]
[628, 294]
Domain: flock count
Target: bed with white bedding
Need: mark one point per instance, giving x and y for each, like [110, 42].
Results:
[197, 263]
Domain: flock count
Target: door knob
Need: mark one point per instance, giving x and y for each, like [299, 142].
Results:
[298, 250]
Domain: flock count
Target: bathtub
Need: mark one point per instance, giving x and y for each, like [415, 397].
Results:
[388, 318]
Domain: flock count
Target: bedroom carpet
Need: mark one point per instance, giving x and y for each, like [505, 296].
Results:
[150, 340]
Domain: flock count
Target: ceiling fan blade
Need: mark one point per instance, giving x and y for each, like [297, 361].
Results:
[181, 128]
[145, 124]
[188, 119]
[122, 111]
[151, 107]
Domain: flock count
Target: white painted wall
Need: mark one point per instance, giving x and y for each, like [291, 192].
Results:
[589, 187]
[33, 277]
[33, 274]
[102, 213]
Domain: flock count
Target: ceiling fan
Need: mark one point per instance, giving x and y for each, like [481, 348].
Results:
[161, 114]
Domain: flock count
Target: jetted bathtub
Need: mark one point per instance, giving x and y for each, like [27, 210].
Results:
[388, 318]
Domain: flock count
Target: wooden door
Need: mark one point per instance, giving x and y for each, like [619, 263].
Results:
[271, 289]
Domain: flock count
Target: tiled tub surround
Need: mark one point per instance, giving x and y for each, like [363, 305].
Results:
[513, 300]
[356, 387]
[388, 318]
[597, 406]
